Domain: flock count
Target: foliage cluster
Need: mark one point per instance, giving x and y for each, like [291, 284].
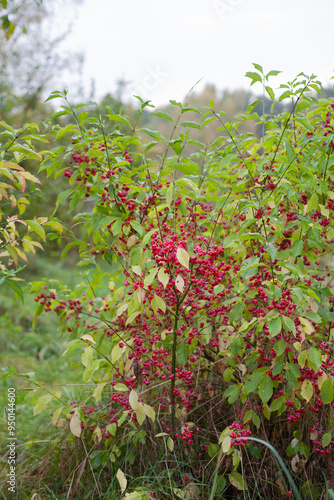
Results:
[206, 307]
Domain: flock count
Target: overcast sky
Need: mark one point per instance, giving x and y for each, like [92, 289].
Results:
[162, 48]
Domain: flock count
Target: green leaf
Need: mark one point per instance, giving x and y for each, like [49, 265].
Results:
[16, 287]
[147, 237]
[297, 248]
[270, 92]
[71, 346]
[273, 72]
[326, 392]
[97, 393]
[277, 403]
[80, 243]
[137, 227]
[182, 353]
[305, 122]
[266, 389]
[255, 77]
[42, 403]
[289, 324]
[191, 125]
[313, 203]
[64, 195]
[275, 327]
[28, 152]
[213, 449]
[326, 439]
[253, 382]
[164, 115]
[289, 152]
[176, 146]
[155, 134]
[236, 312]
[314, 356]
[117, 227]
[272, 250]
[37, 228]
[237, 481]
[135, 255]
[158, 303]
[188, 167]
[258, 67]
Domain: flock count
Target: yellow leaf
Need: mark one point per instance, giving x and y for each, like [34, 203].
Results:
[183, 257]
[133, 400]
[141, 295]
[170, 444]
[131, 241]
[306, 390]
[163, 276]
[75, 424]
[308, 327]
[179, 283]
[226, 444]
[321, 379]
[122, 480]
[88, 337]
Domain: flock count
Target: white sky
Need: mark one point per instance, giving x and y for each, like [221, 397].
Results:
[164, 47]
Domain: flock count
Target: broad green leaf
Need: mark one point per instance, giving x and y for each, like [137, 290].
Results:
[313, 203]
[87, 356]
[158, 303]
[163, 114]
[297, 248]
[236, 312]
[152, 133]
[16, 287]
[314, 356]
[90, 370]
[37, 228]
[275, 327]
[289, 324]
[255, 77]
[270, 92]
[182, 353]
[148, 236]
[237, 481]
[137, 227]
[71, 346]
[42, 403]
[272, 250]
[302, 356]
[191, 124]
[326, 439]
[149, 412]
[117, 227]
[326, 392]
[150, 277]
[253, 382]
[266, 388]
[97, 393]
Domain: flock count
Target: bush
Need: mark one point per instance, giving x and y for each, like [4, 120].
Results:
[206, 307]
